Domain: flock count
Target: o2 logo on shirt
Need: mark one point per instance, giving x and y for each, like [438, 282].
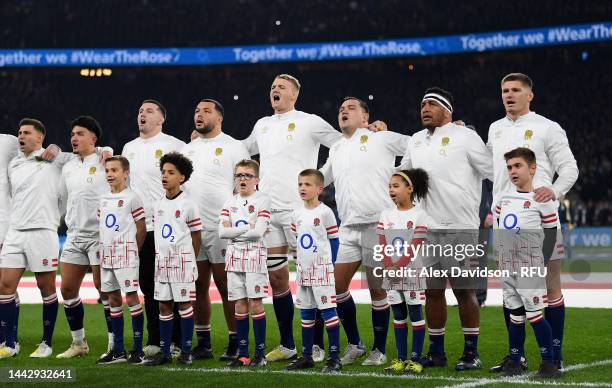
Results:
[307, 242]
[111, 222]
[510, 221]
[241, 222]
[167, 232]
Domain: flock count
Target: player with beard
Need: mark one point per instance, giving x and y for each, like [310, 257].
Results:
[214, 155]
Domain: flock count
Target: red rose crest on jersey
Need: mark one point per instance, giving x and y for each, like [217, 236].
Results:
[127, 282]
[536, 300]
[183, 292]
[526, 205]
[317, 222]
[409, 224]
[412, 294]
[177, 214]
[257, 289]
[251, 209]
[323, 299]
[120, 203]
[45, 262]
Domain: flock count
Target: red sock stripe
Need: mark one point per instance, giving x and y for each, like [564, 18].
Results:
[136, 313]
[333, 322]
[418, 327]
[50, 299]
[72, 305]
[307, 326]
[556, 302]
[400, 325]
[241, 316]
[117, 315]
[380, 308]
[259, 316]
[281, 294]
[341, 298]
[166, 317]
[4, 299]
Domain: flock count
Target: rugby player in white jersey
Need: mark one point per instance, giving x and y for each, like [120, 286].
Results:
[144, 154]
[360, 165]
[83, 182]
[214, 155]
[457, 161]
[524, 128]
[34, 216]
[8, 150]
[287, 143]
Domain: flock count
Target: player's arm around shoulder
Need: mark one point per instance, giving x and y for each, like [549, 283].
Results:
[479, 156]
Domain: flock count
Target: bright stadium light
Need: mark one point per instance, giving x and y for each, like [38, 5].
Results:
[278, 22]
[235, 97]
[107, 72]
[370, 97]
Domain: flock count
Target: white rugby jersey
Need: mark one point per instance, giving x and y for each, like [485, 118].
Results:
[174, 220]
[457, 161]
[518, 211]
[244, 256]
[82, 185]
[399, 226]
[117, 215]
[287, 144]
[360, 168]
[549, 143]
[35, 192]
[313, 228]
[9, 146]
[145, 175]
[212, 181]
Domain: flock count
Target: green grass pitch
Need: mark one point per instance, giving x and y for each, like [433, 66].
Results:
[587, 340]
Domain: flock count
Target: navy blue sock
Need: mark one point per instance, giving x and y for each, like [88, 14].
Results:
[107, 315]
[242, 328]
[50, 306]
[187, 323]
[516, 337]
[7, 318]
[16, 325]
[203, 336]
[73, 308]
[332, 324]
[380, 323]
[117, 322]
[137, 326]
[348, 316]
[259, 329]
[543, 334]
[555, 316]
[436, 341]
[319, 330]
[418, 331]
[400, 327]
[165, 332]
[308, 323]
[470, 339]
[283, 309]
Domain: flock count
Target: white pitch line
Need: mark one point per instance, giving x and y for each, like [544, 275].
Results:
[467, 382]
[526, 379]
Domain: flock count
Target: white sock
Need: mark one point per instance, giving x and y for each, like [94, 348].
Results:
[78, 336]
[111, 341]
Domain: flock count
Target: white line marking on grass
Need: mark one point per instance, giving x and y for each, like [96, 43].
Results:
[467, 382]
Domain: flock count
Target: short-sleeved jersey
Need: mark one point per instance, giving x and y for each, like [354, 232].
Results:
[83, 184]
[35, 192]
[520, 236]
[360, 167]
[174, 221]
[313, 228]
[246, 256]
[8, 150]
[117, 214]
[212, 181]
[145, 175]
[400, 227]
[287, 144]
[457, 161]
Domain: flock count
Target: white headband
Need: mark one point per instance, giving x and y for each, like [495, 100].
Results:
[439, 99]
